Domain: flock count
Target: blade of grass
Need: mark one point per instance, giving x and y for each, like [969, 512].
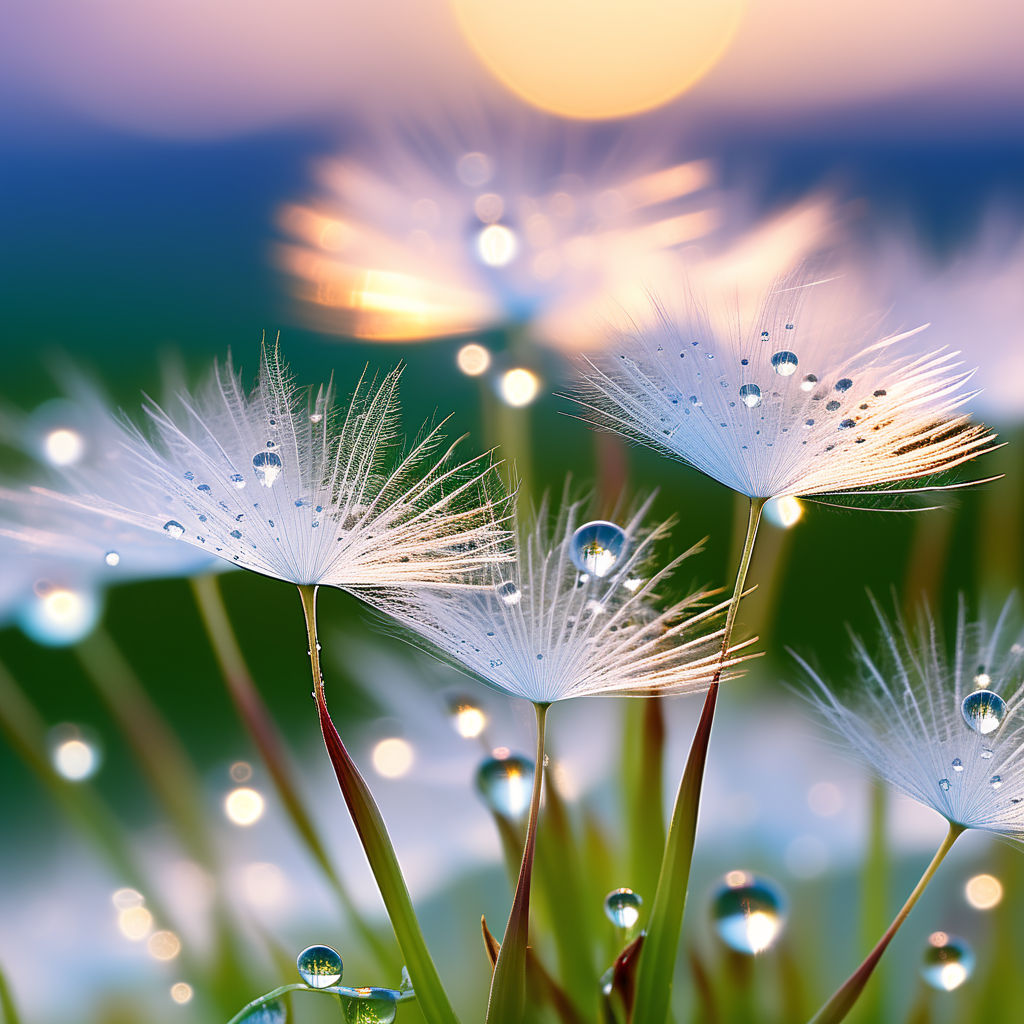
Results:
[380, 853]
[507, 1000]
[10, 1011]
[657, 964]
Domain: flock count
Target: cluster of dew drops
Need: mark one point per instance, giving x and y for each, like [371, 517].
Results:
[784, 363]
[267, 467]
[984, 711]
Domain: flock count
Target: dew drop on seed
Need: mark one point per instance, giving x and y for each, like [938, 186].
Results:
[597, 547]
[831, 406]
[267, 466]
[319, 966]
[622, 908]
[237, 534]
[808, 424]
[996, 781]
[747, 912]
[958, 765]
[944, 785]
[986, 754]
[112, 558]
[508, 592]
[807, 384]
[784, 363]
[844, 384]
[847, 424]
[750, 394]
[506, 784]
[983, 711]
[948, 962]
[173, 528]
[238, 480]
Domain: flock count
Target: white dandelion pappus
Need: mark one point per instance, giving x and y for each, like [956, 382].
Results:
[908, 722]
[546, 632]
[279, 481]
[794, 403]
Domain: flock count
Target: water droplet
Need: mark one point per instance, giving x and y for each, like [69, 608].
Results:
[238, 480]
[370, 1006]
[266, 1013]
[747, 912]
[622, 907]
[983, 711]
[808, 424]
[790, 327]
[237, 534]
[750, 394]
[880, 393]
[846, 424]
[173, 528]
[112, 558]
[506, 784]
[205, 488]
[405, 985]
[267, 466]
[986, 754]
[844, 384]
[596, 547]
[948, 962]
[958, 765]
[807, 384]
[944, 785]
[831, 406]
[785, 362]
[996, 781]
[508, 592]
[982, 680]
[319, 966]
[189, 475]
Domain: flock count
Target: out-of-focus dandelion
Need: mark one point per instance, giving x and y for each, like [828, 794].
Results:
[945, 728]
[575, 616]
[491, 217]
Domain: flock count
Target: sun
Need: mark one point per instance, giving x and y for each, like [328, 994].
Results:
[599, 58]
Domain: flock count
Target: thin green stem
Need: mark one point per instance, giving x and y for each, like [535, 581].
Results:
[507, 1000]
[380, 853]
[7, 1006]
[657, 962]
[259, 723]
[846, 995]
[338, 991]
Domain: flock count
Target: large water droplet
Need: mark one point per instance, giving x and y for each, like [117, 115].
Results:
[750, 394]
[785, 363]
[319, 966]
[983, 711]
[596, 547]
[173, 528]
[508, 592]
[948, 962]
[622, 906]
[267, 466]
[370, 1006]
[506, 784]
[747, 912]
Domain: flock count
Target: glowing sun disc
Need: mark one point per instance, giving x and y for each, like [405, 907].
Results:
[601, 59]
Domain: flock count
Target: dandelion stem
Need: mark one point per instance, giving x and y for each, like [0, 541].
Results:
[259, 724]
[657, 962]
[507, 1000]
[846, 995]
[380, 853]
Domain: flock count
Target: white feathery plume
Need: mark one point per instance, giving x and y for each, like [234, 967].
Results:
[907, 721]
[794, 403]
[546, 632]
[279, 481]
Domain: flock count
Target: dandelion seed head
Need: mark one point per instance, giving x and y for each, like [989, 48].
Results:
[795, 403]
[281, 481]
[540, 633]
[905, 719]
